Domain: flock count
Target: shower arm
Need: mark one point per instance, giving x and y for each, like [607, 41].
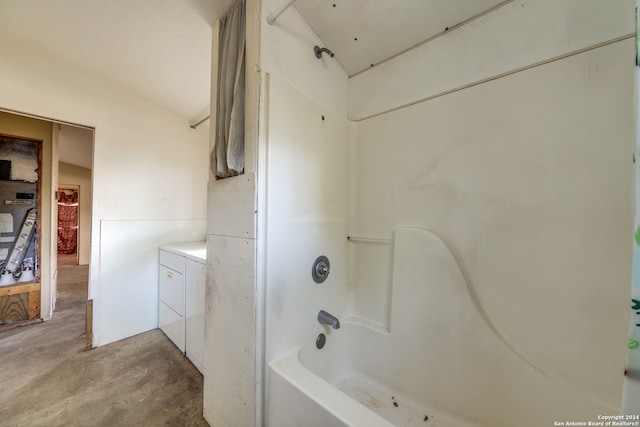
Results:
[317, 50]
[272, 18]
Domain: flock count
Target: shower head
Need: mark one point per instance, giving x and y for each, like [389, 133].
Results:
[318, 51]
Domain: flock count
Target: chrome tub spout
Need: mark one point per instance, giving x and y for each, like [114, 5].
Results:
[328, 319]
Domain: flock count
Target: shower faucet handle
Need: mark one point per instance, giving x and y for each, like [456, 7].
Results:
[321, 268]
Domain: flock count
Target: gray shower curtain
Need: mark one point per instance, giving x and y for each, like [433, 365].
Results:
[228, 150]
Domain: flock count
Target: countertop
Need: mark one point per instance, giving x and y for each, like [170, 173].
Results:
[196, 251]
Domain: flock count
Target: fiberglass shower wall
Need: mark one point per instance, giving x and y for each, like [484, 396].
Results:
[306, 150]
[514, 173]
[307, 207]
[527, 177]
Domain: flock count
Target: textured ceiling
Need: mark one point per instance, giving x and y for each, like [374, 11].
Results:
[366, 32]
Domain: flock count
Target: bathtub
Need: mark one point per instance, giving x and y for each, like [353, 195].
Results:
[333, 386]
[439, 362]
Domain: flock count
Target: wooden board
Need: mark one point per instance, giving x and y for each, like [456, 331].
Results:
[14, 308]
[34, 304]
[89, 326]
[9, 326]
[19, 289]
[19, 302]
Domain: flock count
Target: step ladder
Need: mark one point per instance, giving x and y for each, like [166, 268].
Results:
[18, 249]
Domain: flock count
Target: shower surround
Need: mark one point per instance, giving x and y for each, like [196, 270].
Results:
[464, 292]
[483, 256]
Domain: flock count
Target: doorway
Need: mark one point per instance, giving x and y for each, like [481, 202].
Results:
[74, 201]
[66, 157]
[75, 195]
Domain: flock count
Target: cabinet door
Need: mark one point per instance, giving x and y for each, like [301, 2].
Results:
[171, 305]
[195, 304]
[172, 324]
[172, 289]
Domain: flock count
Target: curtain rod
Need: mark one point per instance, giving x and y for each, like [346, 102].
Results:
[272, 18]
[195, 125]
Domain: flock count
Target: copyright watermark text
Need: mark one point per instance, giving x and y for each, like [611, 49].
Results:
[604, 420]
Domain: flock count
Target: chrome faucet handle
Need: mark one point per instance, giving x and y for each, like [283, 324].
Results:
[321, 269]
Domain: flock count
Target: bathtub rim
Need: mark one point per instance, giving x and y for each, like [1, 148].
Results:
[336, 402]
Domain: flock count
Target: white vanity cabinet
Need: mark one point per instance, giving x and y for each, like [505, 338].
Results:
[181, 306]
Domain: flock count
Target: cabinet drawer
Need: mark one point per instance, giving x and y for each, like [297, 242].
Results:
[171, 260]
[172, 324]
[172, 289]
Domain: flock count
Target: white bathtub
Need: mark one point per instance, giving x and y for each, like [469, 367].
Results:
[441, 363]
[335, 387]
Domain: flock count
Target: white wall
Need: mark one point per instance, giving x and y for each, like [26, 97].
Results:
[528, 177]
[148, 163]
[75, 175]
[128, 274]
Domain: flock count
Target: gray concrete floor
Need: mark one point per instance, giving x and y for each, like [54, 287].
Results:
[46, 379]
[67, 259]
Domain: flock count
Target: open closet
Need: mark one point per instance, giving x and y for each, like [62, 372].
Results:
[19, 226]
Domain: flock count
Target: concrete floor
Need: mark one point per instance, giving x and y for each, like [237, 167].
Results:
[47, 379]
[67, 259]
